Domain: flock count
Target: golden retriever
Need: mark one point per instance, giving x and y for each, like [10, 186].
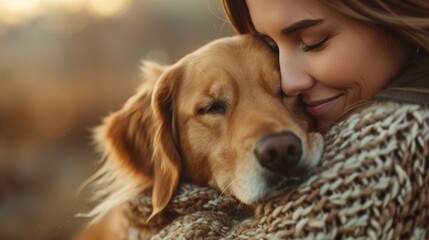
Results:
[216, 118]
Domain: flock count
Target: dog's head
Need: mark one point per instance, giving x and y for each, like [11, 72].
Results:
[217, 117]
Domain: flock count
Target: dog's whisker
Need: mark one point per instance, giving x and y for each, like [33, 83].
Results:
[227, 187]
[222, 193]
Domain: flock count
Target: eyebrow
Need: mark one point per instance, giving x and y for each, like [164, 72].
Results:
[306, 23]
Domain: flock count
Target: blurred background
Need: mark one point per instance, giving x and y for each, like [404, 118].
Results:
[64, 64]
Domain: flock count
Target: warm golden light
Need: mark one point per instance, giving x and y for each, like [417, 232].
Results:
[14, 12]
[109, 8]
[70, 5]
[17, 11]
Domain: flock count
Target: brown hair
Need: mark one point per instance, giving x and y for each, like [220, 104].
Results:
[409, 19]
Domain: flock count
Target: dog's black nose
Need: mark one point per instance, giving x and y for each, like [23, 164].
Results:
[279, 152]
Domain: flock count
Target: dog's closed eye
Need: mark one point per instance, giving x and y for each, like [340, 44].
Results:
[214, 107]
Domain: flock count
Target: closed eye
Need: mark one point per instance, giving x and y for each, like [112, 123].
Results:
[215, 107]
[315, 46]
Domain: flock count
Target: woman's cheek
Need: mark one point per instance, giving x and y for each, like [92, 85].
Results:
[335, 69]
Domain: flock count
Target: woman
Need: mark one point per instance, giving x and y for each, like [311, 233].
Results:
[337, 54]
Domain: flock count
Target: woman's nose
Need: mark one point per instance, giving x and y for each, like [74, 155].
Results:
[294, 75]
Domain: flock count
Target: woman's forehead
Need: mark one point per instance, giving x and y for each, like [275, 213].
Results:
[279, 14]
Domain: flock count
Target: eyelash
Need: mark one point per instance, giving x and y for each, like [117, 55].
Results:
[215, 107]
[315, 46]
[306, 48]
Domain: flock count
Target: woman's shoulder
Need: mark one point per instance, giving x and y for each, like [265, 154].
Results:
[382, 112]
[417, 95]
[411, 85]
[378, 124]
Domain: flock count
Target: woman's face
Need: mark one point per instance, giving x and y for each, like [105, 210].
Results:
[330, 60]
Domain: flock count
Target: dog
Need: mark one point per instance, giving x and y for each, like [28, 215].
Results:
[215, 118]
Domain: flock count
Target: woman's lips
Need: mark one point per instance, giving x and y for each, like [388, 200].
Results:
[316, 108]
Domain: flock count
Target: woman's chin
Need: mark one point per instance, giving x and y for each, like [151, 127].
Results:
[323, 126]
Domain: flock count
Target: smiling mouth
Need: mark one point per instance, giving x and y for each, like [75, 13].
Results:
[316, 108]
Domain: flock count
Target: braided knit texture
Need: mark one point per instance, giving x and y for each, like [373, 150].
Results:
[372, 183]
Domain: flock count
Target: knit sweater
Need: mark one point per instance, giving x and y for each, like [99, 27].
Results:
[372, 183]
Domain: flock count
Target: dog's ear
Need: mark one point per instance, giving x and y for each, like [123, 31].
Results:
[166, 146]
[126, 136]
[138, 146]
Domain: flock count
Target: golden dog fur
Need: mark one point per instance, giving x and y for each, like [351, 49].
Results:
[197, 121]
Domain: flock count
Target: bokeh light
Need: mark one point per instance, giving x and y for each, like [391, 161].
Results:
[109, 8]
[15, 12]
[69, 5]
